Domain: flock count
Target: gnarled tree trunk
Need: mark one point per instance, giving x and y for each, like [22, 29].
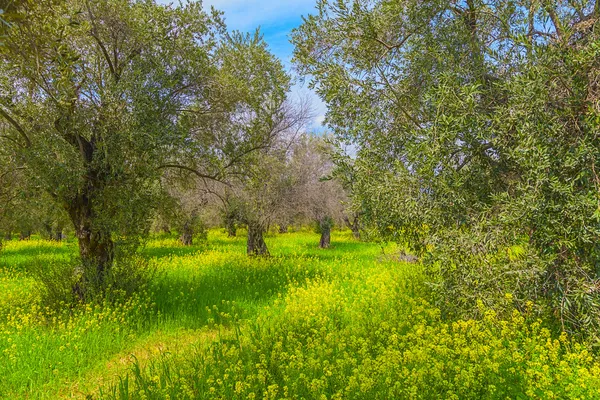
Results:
[325, 227]
[187, 233]
[354, 226]
[256, 244]
[96, 247]
[58, 234]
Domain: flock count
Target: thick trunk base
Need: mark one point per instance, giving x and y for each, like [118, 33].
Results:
[325, 227]
[187, 236]
[96, 248]
[97, 255]
[325, 241]
[231, 230]
[256, 244]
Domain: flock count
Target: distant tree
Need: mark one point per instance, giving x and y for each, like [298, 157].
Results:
[190, 199]
[265, 191]
[318, 196]
[344, 171]
[230, 212]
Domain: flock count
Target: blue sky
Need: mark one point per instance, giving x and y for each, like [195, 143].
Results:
[276, 20]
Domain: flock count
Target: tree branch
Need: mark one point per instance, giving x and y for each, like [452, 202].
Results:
[555, 21]
[192, 170]
[399, 99]
[17, 126]
[94, 33]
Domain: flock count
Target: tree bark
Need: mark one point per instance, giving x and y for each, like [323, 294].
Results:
[96, 247]
[24, 235]
[47, 231]
[283, 229]
[354, 226]
[58, 234]
[325, 225]
[256, 244]
[231, 228]
[187, 234]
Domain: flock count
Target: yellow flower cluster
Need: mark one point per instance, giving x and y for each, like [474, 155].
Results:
[363, 330]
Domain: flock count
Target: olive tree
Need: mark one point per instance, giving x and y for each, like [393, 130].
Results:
[476, 127]
[267, 187]
[100, 98]
[318, 197]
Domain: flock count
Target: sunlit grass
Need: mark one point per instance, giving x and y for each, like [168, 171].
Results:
[341, 323]
[41, 348]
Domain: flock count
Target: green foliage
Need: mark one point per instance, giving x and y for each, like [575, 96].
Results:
[475, 127]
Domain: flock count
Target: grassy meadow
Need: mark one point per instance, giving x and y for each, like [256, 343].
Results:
[350, 322]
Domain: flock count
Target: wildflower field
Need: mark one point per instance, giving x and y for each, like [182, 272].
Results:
[348, 322]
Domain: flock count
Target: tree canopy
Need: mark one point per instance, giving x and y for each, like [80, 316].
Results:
[476, 127]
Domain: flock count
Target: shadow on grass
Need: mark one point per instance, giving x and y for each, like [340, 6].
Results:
[175, 251]
[24, 255]
[194, 300]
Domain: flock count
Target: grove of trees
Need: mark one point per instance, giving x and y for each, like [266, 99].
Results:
[118, 113]
[471, 129]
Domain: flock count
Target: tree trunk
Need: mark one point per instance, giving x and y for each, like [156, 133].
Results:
[325, 225]
[47, 234]
[58, 235]
[354, 226]
[283, 229]
[24, 235]
[256, 244]
[231, 228]
[96, 247]
[7, 236]
[187, 234]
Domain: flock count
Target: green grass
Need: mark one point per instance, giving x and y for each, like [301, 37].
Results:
[306, 323]
[41, 350]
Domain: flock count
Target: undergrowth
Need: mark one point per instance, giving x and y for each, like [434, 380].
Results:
[341, 323]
